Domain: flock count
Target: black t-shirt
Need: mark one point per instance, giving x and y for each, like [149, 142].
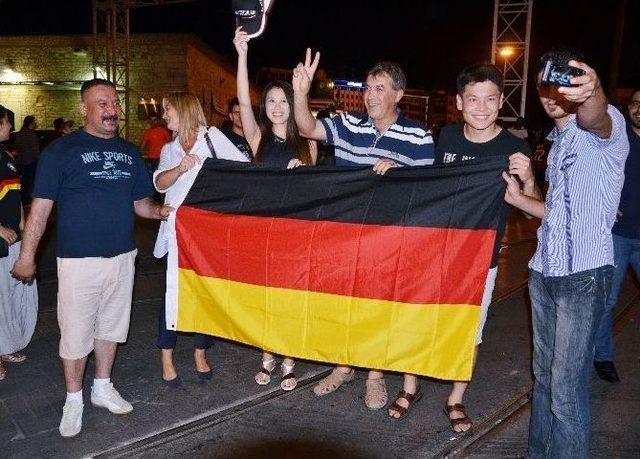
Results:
[453, 147]
[95, 182]
[9, 193]
[240, 143]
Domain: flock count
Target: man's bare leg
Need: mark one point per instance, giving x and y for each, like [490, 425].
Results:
[105, 354]
[73, 370]
[457, 396]
[336, 378]
[410, 386]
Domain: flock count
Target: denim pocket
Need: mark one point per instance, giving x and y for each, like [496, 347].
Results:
[584, 282]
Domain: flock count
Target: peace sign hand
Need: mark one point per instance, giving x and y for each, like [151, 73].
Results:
[303, 73]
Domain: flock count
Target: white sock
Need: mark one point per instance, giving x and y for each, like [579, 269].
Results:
[74, 396]
[100, 384]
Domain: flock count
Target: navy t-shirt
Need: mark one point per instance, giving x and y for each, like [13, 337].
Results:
[94, 182]
[628, 223]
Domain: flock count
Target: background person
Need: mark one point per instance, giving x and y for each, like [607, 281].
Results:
[234, 131]
[154, 138]
[626, 243]
[18, 301]
[27, 144]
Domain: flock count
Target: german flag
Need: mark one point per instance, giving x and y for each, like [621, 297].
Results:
[8, 185]
[339, 265]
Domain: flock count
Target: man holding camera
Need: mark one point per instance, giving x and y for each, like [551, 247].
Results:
[570, 275]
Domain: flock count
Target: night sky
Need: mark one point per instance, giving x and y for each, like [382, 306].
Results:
[431, 39]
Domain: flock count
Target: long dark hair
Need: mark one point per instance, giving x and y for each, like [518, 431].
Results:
[266, 126]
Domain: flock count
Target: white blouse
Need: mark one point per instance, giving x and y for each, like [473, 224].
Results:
[170, 156]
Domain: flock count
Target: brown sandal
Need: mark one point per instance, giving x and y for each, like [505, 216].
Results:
[13, 358]
[410, 398]
[455, 422]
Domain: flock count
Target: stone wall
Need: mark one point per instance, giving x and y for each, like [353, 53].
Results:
[51, 69]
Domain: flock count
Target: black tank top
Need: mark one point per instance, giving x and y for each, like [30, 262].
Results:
[276, 153]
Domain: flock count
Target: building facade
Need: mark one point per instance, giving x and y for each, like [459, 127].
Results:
[41, 76]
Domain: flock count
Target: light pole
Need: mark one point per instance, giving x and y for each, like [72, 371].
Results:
[505, 53]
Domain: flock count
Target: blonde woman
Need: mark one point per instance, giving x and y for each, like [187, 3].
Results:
[180, 161]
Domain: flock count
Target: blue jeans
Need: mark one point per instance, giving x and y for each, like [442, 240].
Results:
[626, 252]
[566, 312]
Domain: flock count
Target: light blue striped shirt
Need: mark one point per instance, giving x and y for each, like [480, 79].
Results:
[585, 175]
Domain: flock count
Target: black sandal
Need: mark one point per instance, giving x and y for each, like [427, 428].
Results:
[455, 422]
[410, 398]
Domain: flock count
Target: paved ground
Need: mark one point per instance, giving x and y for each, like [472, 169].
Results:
[233, 417]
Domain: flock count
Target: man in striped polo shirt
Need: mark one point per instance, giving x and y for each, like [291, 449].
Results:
[382, 138]
[570, 277]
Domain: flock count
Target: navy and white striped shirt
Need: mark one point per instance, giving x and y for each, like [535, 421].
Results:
[585, 175]
[358, 142]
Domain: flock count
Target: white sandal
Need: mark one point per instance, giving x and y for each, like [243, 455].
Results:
[289, 381]
[263, 377]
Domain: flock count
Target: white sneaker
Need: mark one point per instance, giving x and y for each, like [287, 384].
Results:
[110, 399]
[71, 422]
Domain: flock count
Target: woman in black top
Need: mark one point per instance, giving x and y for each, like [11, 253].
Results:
[276, 143]
[18, 301]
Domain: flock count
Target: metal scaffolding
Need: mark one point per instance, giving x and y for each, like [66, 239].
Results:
[111, 45]
[510, 51]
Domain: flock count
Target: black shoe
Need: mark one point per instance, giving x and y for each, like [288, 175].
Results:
[175, 383]
[606, 371]
[204, 376]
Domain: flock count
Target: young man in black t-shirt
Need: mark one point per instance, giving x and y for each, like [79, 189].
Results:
[480, 97]
[233, 129]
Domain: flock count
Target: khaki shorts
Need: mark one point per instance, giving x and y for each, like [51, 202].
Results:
[94, 301]
[489, 285]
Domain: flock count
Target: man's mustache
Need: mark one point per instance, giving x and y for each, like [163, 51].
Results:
[110, 118]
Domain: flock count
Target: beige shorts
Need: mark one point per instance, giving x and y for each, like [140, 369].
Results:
[486, 300]
[94, 301]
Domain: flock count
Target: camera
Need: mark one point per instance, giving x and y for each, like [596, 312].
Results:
[559, 74]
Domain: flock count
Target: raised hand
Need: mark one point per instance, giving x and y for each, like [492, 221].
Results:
[303, 73]
[241, 42]
[585, 85]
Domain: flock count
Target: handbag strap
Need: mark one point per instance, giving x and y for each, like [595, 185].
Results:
[210, 143]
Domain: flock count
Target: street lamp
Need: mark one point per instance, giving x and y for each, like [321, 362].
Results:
[505, 53]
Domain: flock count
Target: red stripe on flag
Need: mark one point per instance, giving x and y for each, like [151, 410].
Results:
[365, 261]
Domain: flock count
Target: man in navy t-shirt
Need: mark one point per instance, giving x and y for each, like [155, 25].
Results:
[99, 182]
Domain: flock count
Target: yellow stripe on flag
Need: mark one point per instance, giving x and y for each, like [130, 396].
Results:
[5, 189]
[378, 334]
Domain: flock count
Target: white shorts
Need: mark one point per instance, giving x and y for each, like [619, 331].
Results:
[489, 285]
[94, 301]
